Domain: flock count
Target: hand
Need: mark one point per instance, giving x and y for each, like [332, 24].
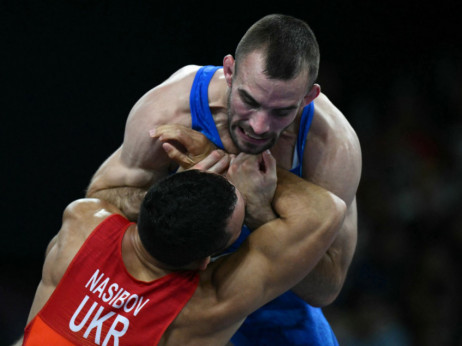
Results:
[255, 177]
[217, 162]
[183, 145]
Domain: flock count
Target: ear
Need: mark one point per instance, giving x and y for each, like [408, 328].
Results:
[312, 94]
[228, 68]
[204, 262]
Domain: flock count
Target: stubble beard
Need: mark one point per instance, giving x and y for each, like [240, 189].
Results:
[249, 148]
[246, 147]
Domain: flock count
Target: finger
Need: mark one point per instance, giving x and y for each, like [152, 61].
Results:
[267, 162]
[168, 133]
[166, 128]
[243, 163]
[242, 157]
[189, 138]
[250, 162]
[209, 161]
[174, 154]
[221, 166]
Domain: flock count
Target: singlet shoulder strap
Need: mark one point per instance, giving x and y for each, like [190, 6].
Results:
[305, 124]
[202, 119]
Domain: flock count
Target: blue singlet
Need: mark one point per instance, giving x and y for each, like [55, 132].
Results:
[287, 320]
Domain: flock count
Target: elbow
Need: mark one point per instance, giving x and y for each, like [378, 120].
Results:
[322, 301]
[319, 299]
[323, 285]
[338, 209]
[331, 292]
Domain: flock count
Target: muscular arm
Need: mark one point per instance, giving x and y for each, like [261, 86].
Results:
[270, 269]
[125, 176]
[333, 161]
[123, 182]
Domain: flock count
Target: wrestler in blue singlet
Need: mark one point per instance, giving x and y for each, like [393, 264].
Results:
[287, 320]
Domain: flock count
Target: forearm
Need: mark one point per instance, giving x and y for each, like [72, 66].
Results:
[307, 224]
[324, 283]
[256, 217]
[123, 183]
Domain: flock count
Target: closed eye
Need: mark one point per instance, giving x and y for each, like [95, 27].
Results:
[284, 111]
[248, 100]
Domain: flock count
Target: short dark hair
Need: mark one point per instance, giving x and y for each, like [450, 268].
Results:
[184, 217]
[289, 43]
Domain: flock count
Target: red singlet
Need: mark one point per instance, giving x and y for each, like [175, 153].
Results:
[98, 302]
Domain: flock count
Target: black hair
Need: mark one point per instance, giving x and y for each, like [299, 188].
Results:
[289, 45]
[184, 217]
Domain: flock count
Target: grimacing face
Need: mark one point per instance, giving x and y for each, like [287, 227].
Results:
[259, 108]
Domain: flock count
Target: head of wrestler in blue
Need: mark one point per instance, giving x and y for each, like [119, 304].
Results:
[189, 216]
[270, 81]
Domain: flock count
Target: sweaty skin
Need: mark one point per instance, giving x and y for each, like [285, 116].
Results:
[234, 285]
[332, 156]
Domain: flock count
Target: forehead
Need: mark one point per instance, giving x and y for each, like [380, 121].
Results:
[251, 78]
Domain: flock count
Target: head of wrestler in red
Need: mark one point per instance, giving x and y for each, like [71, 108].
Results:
[188, 217]
[270, 81]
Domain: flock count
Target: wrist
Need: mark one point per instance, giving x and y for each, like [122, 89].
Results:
[258, 217]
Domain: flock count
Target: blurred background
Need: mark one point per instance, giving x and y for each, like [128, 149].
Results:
[70, 71]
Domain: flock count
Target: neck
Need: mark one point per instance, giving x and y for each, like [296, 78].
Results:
[139, 263]
[218, 104]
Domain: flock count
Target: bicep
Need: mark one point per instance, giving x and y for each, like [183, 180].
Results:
[241, 281]
[269, 263]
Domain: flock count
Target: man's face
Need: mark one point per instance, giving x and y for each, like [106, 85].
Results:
[259, 108]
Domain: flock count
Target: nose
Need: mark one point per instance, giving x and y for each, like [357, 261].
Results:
[260, 122]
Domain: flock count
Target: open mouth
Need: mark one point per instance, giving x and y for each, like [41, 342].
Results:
[251, 138]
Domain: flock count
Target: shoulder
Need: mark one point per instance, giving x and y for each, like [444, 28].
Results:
[330, 122]
[167, 102]
[185, 73]
[331, 128]
[332, 158]
[80, 218]
[90, 206]
[182, 78]
[83, 215]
